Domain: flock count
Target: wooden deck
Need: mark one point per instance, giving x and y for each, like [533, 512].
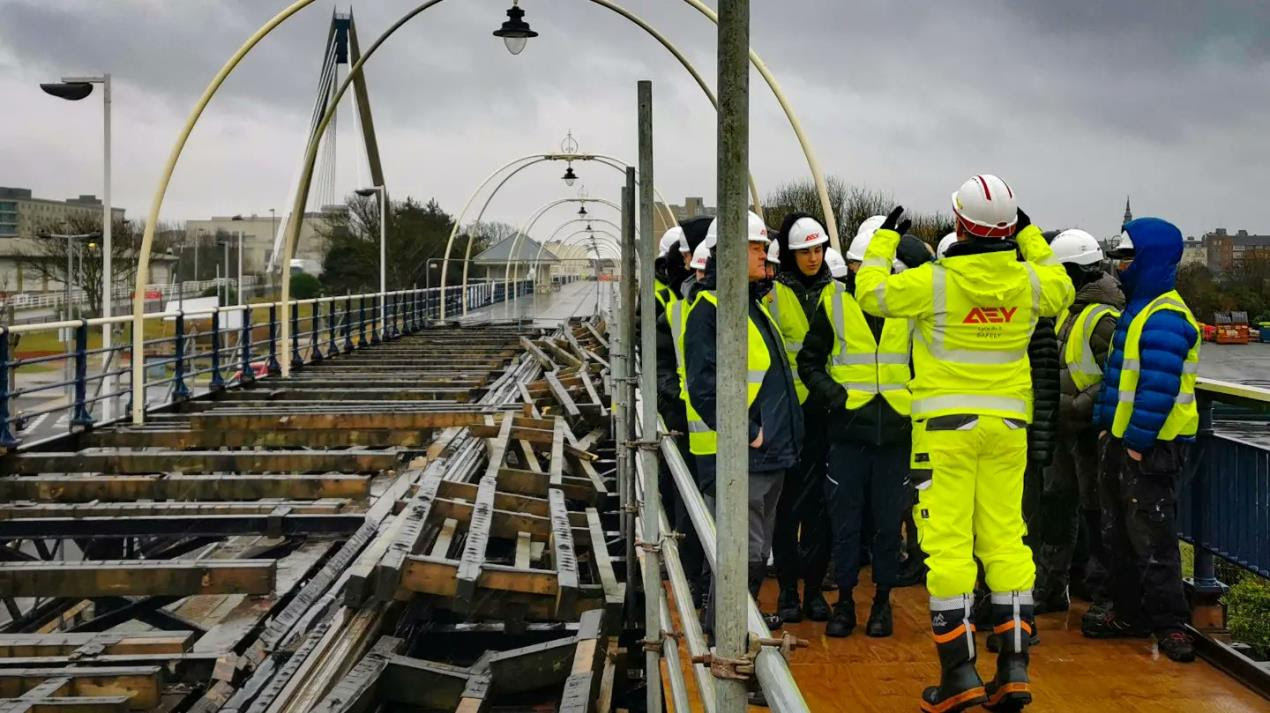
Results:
[1069, 672]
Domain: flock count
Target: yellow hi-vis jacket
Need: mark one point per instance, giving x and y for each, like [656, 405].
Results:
[677, 317]
[1079, 356]
[787, 312]
[663, 294]
[702, 441]
[1183, 418]
[864, 366]
[973, 318]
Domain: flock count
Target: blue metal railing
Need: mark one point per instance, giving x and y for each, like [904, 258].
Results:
[206, 350]
[1224, 503]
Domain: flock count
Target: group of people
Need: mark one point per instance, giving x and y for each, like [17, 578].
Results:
[1001, 402]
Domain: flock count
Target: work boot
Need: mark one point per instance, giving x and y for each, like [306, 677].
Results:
[830, 583]
[842, 622]
[959, 686]
[756, 573]
[881, 623]
[815, 606]
[1111, 626]
[1012, 614]
[787, 605]
[1052, 600]
[1177, 645]
[912, 571]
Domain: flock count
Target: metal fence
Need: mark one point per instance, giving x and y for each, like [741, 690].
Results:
[54, 379]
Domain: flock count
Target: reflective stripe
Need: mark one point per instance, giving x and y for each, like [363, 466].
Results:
[845, 358]
[901, 359]
[1125, 397]
[875, 262]
[879, 294]
[755, 376]
[1131, 365]
[1036, 292]
[867, 387]
[695, 426]
[792, 346]
[971, 402]
[939, 326]
[1185, 398]
[1003, 598]
[891, 387]
[950, 603]
[1190, 367]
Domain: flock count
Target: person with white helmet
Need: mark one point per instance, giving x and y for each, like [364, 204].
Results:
[801, 543]
[945, 243]
[1069, 489]
[667, 255]
[837, 265]
[776, 423]
[972, 315]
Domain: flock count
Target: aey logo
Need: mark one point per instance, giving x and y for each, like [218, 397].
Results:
[990, 315]
[811, 236]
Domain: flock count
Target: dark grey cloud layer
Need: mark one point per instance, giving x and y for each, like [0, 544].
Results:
[1076, 103]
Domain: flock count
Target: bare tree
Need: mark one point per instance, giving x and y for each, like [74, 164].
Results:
[47, 256]
[852, 205]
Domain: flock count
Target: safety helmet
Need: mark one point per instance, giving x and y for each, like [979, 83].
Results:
[756, 230]
[945, 243]
[1124, 247]
[806, 233]
[774, 252]
[1076, 246]
[837, 266]
[985, 207]
[860, 243]
[701, 255]
[670, 239]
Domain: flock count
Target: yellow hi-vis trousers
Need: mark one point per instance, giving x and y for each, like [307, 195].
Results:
[969, 475]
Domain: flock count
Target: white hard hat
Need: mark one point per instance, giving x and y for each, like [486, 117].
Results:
[1076, 246]
[837, 266]
[756, 230]
[670, 239]
[806, 233]
[986, 207]
[774, 252]
[1124, 246]
[701, 255]
[945, 243]
[860, 243]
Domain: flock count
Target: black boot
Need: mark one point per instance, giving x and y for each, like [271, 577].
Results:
[787, 605]
[1012, 615]
[814, 604]
[842, 622]
[959, 686]
[880, 620]
[757, 573]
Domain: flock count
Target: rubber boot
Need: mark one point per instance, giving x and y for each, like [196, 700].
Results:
[1014, 623]
[959, 686]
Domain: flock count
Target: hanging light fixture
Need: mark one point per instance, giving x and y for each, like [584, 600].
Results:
[515, 31]
[582, 211]
[569, 176]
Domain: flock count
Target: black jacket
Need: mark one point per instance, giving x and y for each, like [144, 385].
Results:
[1076, 407]
[875, 423]
[775, 411]
[1043, 354]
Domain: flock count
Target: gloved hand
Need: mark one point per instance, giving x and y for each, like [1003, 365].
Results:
[1023, 222]
[892, 221]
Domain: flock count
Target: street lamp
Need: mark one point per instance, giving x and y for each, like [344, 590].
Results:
[569, 176]
[515, 31]
[383, 221]
[74, 89]
[582, 211]
[238, 285]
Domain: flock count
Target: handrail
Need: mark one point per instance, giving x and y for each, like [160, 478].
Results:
[1231, 391]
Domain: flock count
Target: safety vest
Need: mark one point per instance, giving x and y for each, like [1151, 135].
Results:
[662, 293]
[971, 358]
[864, 366]
[787, 311]
[1077, 353]
[676, 317]
[1183, 418]
[702, 440]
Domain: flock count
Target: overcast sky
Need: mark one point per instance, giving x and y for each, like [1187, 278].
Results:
[1076, 103]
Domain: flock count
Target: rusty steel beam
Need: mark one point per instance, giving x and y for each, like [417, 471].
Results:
[137, 578]
[85, 488]
[61, 643]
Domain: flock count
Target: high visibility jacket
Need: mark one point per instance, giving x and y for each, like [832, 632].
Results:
[973, 318]
[1077, 352]
[662, 293]
[1183, 418]
[702, 440]
[677, 319]
[791, 320]
[864, 366]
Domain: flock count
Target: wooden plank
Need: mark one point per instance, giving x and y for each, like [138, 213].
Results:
[557, 454]
[106, 643]
[538, 354]
[528, 457]
[523, 546]
[143, 462]
[140, 683]
[440, 577]
[595, 395]
[441, 545]
[526, 482]
[137, 578]
[87, 488]
[561, 354]
[562, 396]
[478, 529]
[504, 524]
[24, 510]
[564, 558]
[614, 592]
[409, 537]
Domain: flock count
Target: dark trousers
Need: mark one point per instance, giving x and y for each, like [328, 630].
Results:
[866, 479]
[691, 556]
[1139, 509]
[764, 493]
[801, 542]
[1068, 495]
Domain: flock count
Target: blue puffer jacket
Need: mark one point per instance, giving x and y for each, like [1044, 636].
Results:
[1166, 337]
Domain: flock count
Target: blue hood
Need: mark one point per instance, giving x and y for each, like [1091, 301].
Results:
[1157, 246]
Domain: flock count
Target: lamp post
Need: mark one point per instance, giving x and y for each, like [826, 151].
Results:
[238, 284]
[75, 89]
[515, 31]
[383, 221]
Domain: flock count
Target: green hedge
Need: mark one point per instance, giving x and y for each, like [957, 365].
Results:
[1248, 613]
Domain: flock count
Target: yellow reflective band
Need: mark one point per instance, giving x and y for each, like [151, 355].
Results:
[755, 376]
[699, 427]
[879, 294]
[971, 402]
[875, 262]
[900, 359]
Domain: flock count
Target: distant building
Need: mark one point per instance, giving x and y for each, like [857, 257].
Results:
[257, 233]
[692, 207]
[22, 214]
[1226, 251]
[1194, 252]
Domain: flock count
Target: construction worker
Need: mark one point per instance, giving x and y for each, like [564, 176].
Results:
[694, 234]
[859, 365]
[776, 424]
[1146, 408]
[837, 265]
[801, 542]
[944, 243]
[1070, 485]
[973, 314]
[664, 266]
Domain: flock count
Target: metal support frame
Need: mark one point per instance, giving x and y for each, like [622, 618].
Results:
[624, 385]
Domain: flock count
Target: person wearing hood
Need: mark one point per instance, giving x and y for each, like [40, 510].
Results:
[775, 421]
[1148, 419]
[972, 315]
[858, 366]
[800, 545]
[695, 230]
